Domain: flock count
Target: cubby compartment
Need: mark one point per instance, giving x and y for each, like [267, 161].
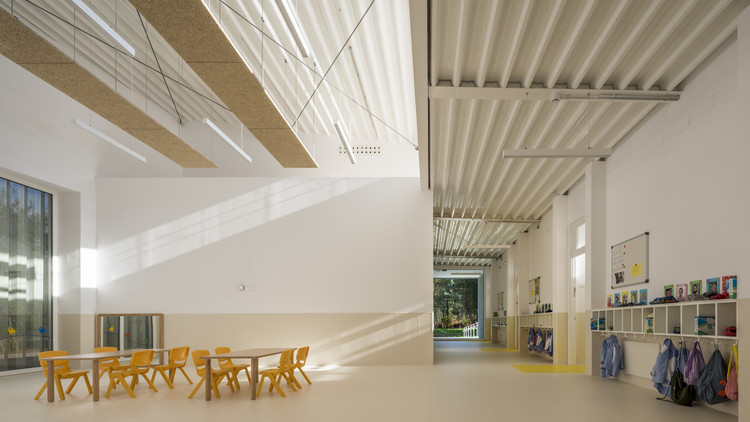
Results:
[689, 312]
[627, 320]
[674, 323]
[660, 320]
[726, 316]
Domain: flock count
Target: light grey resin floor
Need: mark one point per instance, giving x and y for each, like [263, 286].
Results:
[465, 384]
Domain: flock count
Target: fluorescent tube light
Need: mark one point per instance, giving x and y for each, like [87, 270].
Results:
[344, 140]
[227, 139]
[108, 29]
[290, 18]
[108, 139]
[557, 153]
[487, 247]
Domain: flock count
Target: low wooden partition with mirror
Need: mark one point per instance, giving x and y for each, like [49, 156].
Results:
[130, 331]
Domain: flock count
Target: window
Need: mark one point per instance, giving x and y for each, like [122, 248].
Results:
[25, 275]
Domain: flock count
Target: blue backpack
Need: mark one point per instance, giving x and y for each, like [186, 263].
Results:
[532, 339]
[548, 344]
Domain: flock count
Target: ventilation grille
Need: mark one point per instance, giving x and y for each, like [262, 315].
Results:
[362, 150]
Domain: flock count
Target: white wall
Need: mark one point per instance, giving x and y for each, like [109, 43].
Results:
[540, 259]
[299, 245]
[681, 177]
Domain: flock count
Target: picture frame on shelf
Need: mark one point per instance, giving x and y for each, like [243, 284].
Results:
[682, 292]
[729, 286]
[617, 298]
[609, 301]
[625, 298]
[669, 290]
[712, 285]
[643, 297]
[696, 287]
[634, 297]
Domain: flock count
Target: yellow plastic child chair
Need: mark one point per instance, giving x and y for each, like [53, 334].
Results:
[106, 364]
[62, 371]
[301, 360]
[274, 375]
[217, 374]
[235, 368]
[140, 364]
[178, 356]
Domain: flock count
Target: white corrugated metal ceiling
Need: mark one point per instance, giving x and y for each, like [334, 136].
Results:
[492, 68]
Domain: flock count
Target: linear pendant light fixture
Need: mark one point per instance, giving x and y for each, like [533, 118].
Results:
[227, 139]
[108, 29]
[558, 153]
[106, 138]
[290, 18]
[344, 140]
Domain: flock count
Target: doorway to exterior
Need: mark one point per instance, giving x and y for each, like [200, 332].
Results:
[457, 304]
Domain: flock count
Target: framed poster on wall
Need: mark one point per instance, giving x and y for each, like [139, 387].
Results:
[630, 262]
[534, 290]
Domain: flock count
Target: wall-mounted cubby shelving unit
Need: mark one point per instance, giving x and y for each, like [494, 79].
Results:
[632, 320]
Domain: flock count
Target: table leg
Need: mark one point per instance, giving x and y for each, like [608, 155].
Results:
[253, 378]
[50, 380]
[95, 381]
[208, 380]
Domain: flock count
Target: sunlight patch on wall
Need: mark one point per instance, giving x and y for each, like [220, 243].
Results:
[218, 222]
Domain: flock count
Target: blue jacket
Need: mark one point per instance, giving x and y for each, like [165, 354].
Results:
[666, 362]
[611, 357]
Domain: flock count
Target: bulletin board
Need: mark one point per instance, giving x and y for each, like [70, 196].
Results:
[630, 262]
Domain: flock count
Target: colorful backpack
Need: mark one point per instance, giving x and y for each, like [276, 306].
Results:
[695, 365]
[548, 344]
[532, 339]
[539, 341]
[713, 379]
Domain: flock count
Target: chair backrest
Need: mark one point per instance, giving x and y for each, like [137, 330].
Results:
[286, 358]
[179, 355]
[302, 355]
[106, 363]
[60, 365]
[200, 364]
[142, 358]
[223, 363]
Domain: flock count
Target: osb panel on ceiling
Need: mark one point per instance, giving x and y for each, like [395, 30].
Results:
[191, 30]
[35, 54]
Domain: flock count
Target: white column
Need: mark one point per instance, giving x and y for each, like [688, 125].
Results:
[596, 250]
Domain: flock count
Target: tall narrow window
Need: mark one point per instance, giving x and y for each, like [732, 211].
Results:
[25, 275]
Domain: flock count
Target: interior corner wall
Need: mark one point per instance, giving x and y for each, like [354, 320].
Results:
[681, 176]
[342, 265]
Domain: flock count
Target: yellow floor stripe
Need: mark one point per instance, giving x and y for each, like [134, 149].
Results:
[484, 349]
[557, 369]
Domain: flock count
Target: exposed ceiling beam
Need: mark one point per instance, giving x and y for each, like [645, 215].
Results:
[489, 220]
[572, 40]
[418, 18]
[23, 46]
[551, 94]
[456, 256]
[192, 31]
